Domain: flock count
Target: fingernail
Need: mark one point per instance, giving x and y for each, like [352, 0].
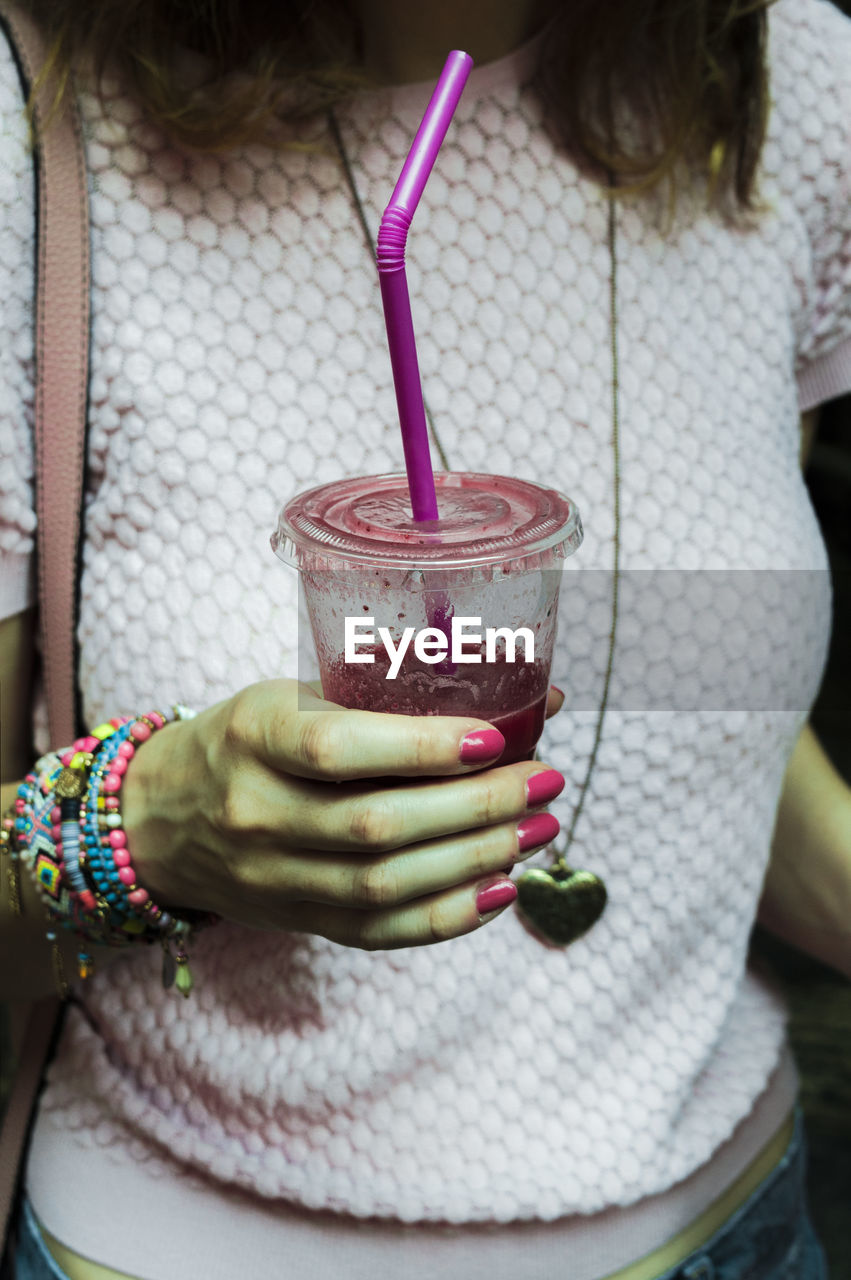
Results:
[543, 787]
[495, 894]
[482, 744]
[557, 689]
[537, 830]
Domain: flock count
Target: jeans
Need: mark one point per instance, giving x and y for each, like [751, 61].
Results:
[769, 1237]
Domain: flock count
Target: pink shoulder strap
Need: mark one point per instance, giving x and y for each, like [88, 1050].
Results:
[62, 361]
[62, 371]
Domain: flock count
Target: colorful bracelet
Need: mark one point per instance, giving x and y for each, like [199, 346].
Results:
[100, 824]
[31, 839]
[66, 829]
[11, 857]
[108, 863]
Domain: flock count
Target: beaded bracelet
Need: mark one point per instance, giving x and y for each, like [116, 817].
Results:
[43, 852]
[107, 860]
[66, 828]
[33, 846]
[40, 845]
[62, 901]
[11, 857]
[69, 787]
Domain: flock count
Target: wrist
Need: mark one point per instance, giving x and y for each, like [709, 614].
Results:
[151, 795]
[66, 830]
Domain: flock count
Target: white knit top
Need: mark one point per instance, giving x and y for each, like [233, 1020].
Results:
[238, 356]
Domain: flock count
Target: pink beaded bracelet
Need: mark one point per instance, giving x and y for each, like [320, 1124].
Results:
[108, 864]
[67, 824]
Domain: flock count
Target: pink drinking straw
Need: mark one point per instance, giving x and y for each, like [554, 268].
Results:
[392, 237]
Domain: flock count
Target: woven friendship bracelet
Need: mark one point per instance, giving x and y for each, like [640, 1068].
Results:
[66, 829]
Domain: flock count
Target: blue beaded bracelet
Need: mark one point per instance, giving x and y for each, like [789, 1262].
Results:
[67, 830]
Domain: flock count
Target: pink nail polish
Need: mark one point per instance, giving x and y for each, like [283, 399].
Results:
[481, 745]
[537, 830]
[543, 787]
[494, 895]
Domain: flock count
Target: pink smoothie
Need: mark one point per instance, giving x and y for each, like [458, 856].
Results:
[425, 690]
[495, 554]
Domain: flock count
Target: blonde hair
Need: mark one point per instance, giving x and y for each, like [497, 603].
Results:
[630, 87]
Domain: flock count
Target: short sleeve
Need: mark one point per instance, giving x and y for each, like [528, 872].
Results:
[810, 145]
[17, 249]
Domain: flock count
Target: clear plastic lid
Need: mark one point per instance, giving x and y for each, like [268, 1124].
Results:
[484, 520]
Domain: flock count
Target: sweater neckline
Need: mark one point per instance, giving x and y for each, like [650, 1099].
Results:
[484, 80]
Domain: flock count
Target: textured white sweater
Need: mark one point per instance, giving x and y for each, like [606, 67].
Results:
[238, 356]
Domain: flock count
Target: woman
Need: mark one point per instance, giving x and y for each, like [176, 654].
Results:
[339, 1094]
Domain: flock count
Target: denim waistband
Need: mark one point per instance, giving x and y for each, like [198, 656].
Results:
[769, 1237]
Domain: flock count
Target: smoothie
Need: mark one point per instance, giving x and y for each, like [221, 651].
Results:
[495, 556]
[421, 690]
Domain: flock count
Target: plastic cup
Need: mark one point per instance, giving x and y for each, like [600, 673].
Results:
[372, 576]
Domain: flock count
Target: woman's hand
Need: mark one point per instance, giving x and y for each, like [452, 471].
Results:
[279, 810]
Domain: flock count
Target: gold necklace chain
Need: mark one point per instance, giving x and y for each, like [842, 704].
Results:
[616, 453]
[560, 864]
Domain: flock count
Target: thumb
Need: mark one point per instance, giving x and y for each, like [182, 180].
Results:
[555, 700]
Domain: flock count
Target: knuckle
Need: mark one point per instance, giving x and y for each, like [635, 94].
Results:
[422, 745]
[376, 885]
[368, 939]
[487, 802]
[499, 848]
[235, 816]
[319, 744]
[229, 815]
[374, 824]
[251, 877]
[363, 930]
[440, 923]
[239, 723]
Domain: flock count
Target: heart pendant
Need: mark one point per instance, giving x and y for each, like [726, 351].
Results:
[560, 904]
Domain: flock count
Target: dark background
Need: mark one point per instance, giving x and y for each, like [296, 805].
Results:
[819, 998]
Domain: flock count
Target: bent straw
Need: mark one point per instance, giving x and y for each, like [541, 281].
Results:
[390, 255]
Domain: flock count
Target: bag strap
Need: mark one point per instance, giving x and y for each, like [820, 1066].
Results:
[62, 371]
[61, 403]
